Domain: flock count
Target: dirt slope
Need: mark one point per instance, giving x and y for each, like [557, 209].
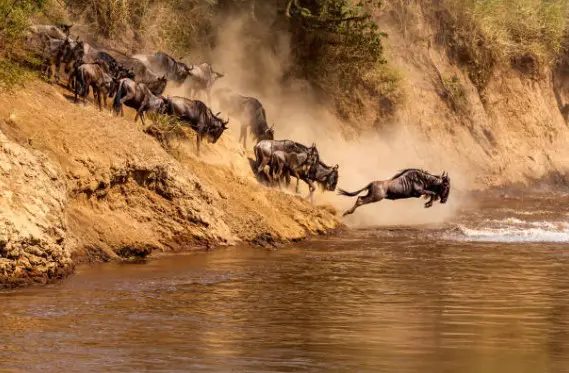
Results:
[512, 132]
[121, 194]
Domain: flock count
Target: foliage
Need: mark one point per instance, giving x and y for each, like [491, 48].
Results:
[486, 32]
[14, 15]
[454, 93]
[335, 42]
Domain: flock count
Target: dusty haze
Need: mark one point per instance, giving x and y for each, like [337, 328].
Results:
[300, 116]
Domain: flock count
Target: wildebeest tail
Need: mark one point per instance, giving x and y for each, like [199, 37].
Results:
[117, 100]
[342, 192]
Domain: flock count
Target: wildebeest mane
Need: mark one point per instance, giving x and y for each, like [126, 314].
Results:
[400, 173]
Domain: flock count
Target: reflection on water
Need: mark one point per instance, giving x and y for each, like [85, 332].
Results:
[377, 300]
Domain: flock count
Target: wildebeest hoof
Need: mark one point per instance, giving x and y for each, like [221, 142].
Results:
[429, 204]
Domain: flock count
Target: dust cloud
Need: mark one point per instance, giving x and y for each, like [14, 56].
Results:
[256, 67]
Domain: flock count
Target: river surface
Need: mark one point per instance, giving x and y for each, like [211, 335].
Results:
[486, 293]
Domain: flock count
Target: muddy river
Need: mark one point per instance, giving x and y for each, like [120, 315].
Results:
[486, 293]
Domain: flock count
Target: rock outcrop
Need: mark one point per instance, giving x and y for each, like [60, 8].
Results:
[33, 229]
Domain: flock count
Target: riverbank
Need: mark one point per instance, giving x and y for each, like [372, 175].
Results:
[81, 186]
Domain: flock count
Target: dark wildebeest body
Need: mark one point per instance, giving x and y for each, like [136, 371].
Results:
[117, 70]
[76, 55]
[305, 157]
[198, 116]
[251, 114]
[410, 183]
[95, 76]
[139, 97]
[201, 79]
[142, 74]
[163, 64]
[56, 53]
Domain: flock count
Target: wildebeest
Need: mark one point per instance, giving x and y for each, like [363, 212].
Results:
[285, 165]
[201, 78]
[323, 175]
[57, 52]
[95, 76]
[137, 96]
[53, 51]
[59, 31]
[142, 74]
[198, 116]
[161, 63]
[409, 183]
[305, 157]
[250, 113]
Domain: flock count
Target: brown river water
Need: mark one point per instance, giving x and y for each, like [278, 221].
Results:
[487, 292]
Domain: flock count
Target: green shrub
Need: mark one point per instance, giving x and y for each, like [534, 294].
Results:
[14, 58]
[512, 28]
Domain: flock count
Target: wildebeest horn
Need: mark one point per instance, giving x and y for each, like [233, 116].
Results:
[218, 114]
[336, 167]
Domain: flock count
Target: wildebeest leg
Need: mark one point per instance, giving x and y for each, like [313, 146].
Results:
[262, 165]
[198, 142]
[99, 101]
[371, 197]
[425, 192]
[431, 200]
[51, 71]
[243, 135]
[311, 188]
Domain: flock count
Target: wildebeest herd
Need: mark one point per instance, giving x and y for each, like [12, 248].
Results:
[139, 82]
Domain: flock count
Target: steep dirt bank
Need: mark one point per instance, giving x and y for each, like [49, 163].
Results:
[89, 186]
[511, 131]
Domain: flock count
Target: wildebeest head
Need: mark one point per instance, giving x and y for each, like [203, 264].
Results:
[331, 180]
[157, 87]
[63, 27]
[74, 52]
[270, 133]
[445, 187]
[124, 73]
[214, 76]
[216, 128]
[183, 70]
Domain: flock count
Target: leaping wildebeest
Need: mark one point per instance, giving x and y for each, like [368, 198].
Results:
[201, 78]
[409, 183]
[198, 116]
[250, 113]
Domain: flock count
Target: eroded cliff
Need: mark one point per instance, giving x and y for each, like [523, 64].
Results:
[83, 184]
